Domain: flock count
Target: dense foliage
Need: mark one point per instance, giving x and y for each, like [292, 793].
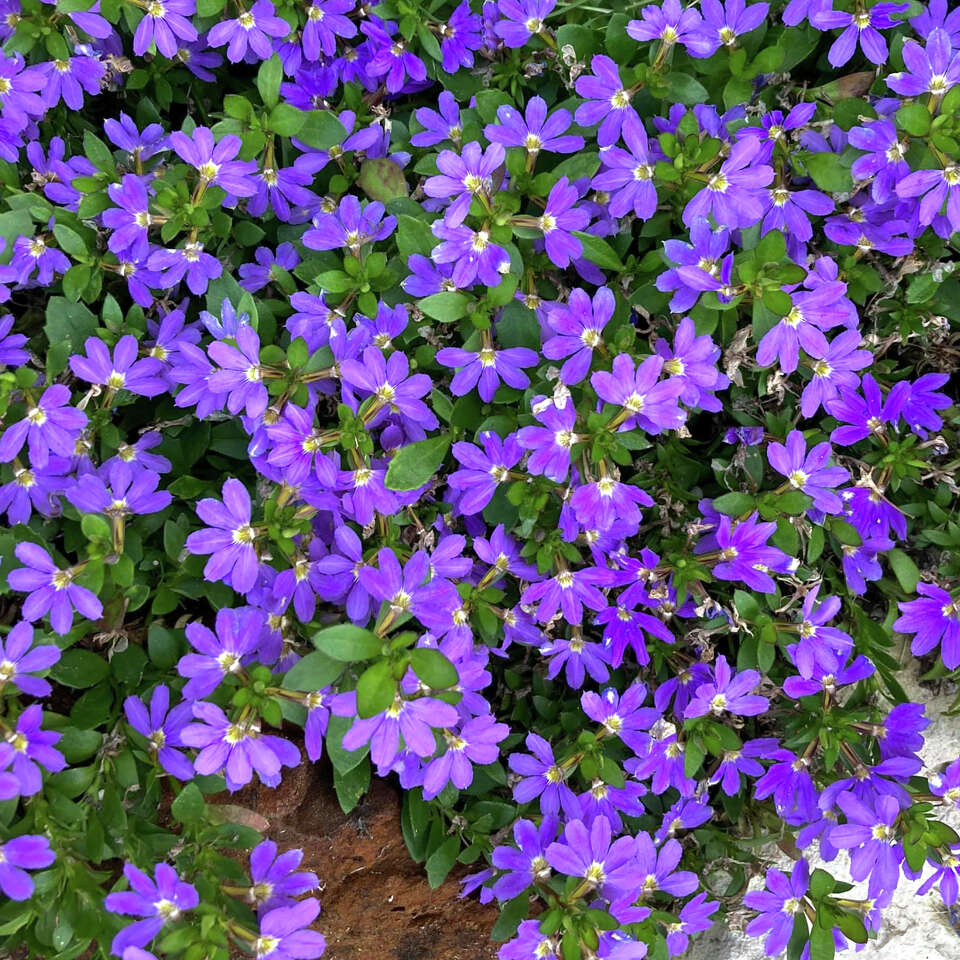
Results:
[543, 405]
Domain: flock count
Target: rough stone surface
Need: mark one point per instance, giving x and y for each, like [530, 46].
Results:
[376, 900]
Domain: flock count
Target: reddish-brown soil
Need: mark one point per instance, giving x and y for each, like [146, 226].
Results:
[377, 904]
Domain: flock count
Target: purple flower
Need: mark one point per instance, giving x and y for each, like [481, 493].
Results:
[326, 22]
[808, 472]
[609, 867]
[608, 102]
[833, 369]
[868, 415]
[229, 538]
[628, 174]
[215, 161]
[527, 863]
[607, 501]
[558, 219]
[238, 748]
[780, 905]
[68, 79]
[543, 778]
[743, 552]
[522, 19]
[693, 363]
[871, 836]
[18, 660]
[390, 56]
[933, 70]
[282, 934]
[34, 254]
[441, 126]
[656, 870]
[130, 492]
[130, 218]
[488, 367]
[253, 29]
[473, 255]
[463, 177]
[922, 402]
[164, 21]
[864, 27]
[459, 37]
[28, 852]
[934, 619]
[123, 372]
[236, 641]
[389, 381]
[946, 872]
[474, 743]
[281, 188]
[884, 162]
[12, 353]
[727, 693]
[275, 884]
[695, 917]
[723, 24]
[645, 403]
[240, 375]
[533, 130]
[51, 589]
[733, 194]
[350, 226]
[568, 591]
[28, 748]
[414, 720]
[670, 23]
[159, 903]
[406, 588]
[701, 264]
[936, 188]
[579, 327]
[551, 443]
[50, 426]
[482, 471]
[162, 728]
[269, 267]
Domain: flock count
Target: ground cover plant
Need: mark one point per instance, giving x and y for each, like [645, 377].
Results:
[544, 405]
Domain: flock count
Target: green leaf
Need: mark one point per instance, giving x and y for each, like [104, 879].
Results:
[269, 77]
[905, 570]
[80, 669]
[381, 179]
[682, 88]
[693, 756]
[915, 119]
[322, 130]
[441, 861]
[313, 672]
[829, 172]
[163, 646]
[852, 926]
[69, 323]
[188, 806]
[413, 465]
[414, 236]
[598, 251]
[445, 307]
[347, 643]
[734, 504]
[433, 668]
[95, 526]
[821, 884]
[793, 502]
[376, 689]
[845, 532]
[98, 153]
[286, 120]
